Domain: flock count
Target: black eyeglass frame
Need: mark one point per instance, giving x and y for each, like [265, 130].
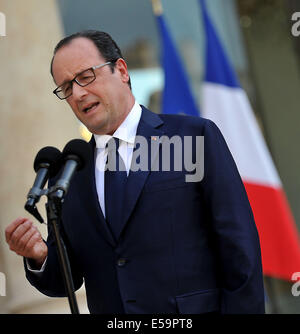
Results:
[93, 68]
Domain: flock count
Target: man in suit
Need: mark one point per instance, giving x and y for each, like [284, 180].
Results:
[158, 244]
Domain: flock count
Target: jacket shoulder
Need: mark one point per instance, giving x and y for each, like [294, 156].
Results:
[187, 123]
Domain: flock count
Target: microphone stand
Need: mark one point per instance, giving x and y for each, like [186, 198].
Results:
[53, 207]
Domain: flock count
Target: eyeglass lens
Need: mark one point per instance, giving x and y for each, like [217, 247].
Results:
[83, 79]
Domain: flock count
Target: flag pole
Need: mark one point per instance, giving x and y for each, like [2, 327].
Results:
[157, 7]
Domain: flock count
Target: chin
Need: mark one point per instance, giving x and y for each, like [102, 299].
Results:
[95, 128]
[97, 131]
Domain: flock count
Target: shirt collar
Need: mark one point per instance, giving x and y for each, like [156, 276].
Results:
[126, 131]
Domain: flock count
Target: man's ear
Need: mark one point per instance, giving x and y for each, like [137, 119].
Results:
[121, 66]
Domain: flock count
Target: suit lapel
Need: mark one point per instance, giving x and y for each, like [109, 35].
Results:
[147, 128]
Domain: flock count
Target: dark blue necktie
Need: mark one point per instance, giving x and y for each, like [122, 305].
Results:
[114, 184]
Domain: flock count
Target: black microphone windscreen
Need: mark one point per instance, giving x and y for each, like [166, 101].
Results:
[79, 148]
[50, 155]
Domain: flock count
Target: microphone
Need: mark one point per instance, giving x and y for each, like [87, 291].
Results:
[46, 164]
[75, 154]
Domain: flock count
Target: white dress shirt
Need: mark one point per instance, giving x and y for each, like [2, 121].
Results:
[126, 132]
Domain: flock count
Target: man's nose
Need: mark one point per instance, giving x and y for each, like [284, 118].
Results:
[78, 92]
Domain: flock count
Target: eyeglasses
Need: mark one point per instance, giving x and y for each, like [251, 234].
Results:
[83, 79]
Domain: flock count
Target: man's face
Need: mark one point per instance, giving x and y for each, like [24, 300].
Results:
[108, 98]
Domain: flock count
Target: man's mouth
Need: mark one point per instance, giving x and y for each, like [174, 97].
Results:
[90, 107]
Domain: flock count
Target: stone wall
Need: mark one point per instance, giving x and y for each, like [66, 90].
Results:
[31, 117]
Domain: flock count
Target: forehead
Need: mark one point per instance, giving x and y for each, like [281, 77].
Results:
[80, 54]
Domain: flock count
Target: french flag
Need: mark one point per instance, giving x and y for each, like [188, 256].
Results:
[225, 103]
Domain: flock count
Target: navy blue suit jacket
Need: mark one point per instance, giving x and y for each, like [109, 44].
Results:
[184, 247]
